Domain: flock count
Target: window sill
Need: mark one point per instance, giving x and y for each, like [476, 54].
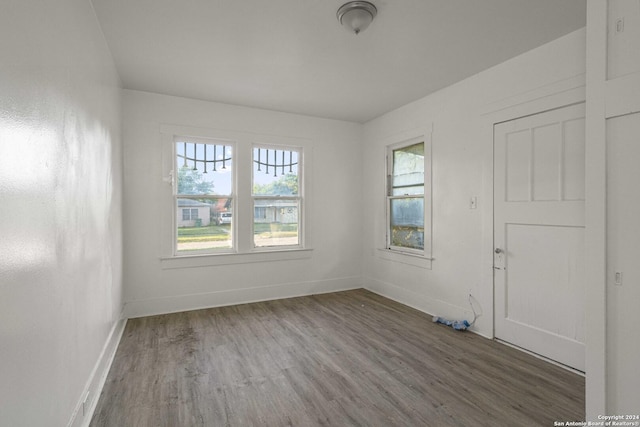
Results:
[209, 260]
[405, 258]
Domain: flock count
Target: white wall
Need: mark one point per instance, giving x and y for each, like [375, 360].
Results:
[462, 151]
[60, 215]
[334, 223]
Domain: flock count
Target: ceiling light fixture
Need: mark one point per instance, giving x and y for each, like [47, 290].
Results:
[356, 16]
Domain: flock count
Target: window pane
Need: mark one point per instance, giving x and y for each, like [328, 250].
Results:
[260, 212]
[275, 172]
[407, 222]
[203, 169]
[408, 170]
[199, 224]
[275, 223]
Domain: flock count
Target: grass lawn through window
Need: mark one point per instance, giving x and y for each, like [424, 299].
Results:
[216, 233]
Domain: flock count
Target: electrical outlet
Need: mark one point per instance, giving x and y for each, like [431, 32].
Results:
[618, 278]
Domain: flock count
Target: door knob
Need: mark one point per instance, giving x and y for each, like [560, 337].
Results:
[498, 251]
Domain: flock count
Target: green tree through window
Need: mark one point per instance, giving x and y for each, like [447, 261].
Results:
[191, 181]
[286, 185]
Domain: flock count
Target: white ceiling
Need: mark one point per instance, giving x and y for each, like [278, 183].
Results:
[293, 56]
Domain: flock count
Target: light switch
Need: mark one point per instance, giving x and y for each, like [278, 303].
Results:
[473, 203]
[618, 278]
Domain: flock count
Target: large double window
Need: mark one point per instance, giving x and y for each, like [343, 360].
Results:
[234, 197]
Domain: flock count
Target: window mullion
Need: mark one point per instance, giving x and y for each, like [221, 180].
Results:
[243, 206]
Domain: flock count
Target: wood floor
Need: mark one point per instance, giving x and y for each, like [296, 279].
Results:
[344, 359]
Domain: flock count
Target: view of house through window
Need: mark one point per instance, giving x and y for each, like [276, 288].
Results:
[276, 197]
[203, 196]
[405, 198]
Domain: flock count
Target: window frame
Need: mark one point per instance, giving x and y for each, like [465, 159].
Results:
[244, 250]
[419, 257]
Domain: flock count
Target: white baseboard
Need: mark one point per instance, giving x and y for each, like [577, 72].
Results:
[179, 303]
[420, 302]
[541, 357]
[85, 407]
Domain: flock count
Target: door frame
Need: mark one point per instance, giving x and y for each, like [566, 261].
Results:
[575, 365]
[549, 97]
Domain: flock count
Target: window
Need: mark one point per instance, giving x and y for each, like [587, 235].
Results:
[203, 193]
[232, 195]
[408, 198]
[276, 197]
[189, 214]
[259, 213]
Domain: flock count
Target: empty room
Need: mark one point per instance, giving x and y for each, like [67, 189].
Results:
[319, 212]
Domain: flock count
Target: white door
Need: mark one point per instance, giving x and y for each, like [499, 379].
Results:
[539, 189]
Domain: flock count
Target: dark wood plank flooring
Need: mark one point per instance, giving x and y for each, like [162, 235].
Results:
[343, 359]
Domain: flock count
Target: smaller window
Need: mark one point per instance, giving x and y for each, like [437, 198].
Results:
[189, 214]
[260, 213]
[406, 205]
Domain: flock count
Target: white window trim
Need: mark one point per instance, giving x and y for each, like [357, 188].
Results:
[405, 258]
[244, 250]
[209, 260]
[419, 258]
